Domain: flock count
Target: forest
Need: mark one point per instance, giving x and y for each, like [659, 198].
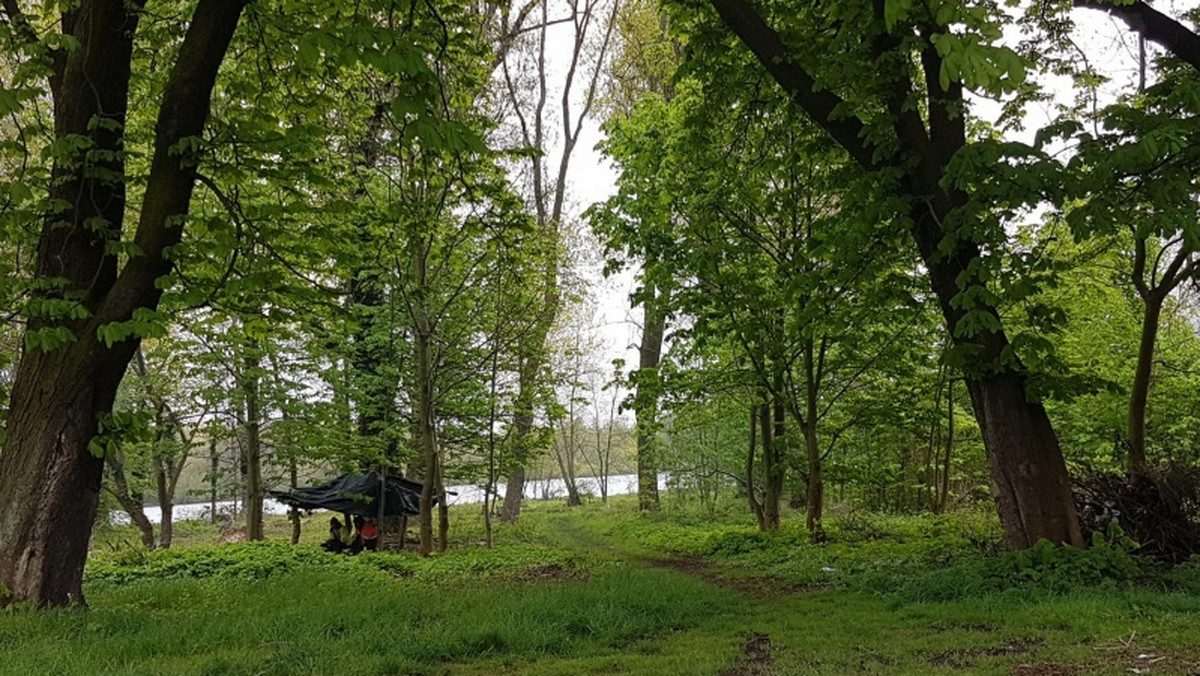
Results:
[853, 299]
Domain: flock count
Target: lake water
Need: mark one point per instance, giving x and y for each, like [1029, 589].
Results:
[537, 489]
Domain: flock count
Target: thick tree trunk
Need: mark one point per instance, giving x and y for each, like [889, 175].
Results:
[514, 488]
[49, 481]
[1139, 393]
[514, 494]
[1029, 476]
[50, 484]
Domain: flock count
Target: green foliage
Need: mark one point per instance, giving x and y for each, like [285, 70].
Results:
[117, 429]
[246, 561]
[1184, 578]
[261, 560]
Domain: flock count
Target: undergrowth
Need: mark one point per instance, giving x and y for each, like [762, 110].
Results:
[908, 558]
[263, 560]
[567, 591]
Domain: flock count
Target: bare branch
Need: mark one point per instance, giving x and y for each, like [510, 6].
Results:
[1154, 26]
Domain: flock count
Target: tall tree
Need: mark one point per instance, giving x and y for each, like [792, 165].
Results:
[529, 78]
[95, 288]
[903, 114]
[644, 62]
[1139, 176]
[68, 375]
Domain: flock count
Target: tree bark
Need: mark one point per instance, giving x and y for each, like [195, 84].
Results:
[1154, 26]
[443, 513]
[514, 488]
[165, 488]
[654, 321]
[294, 514]
[426, 425]
[1139, 393]
[549, 199]
[774, 454]
[132, 502]
[252, 459]
[815, 507]
[214, 471]
[564, 454]
[756, 507]
[944, 497]
[49, 481]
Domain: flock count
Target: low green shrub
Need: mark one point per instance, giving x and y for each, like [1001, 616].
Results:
[1186, 576]
[262, 560]
[1045, 569]
[246, 561]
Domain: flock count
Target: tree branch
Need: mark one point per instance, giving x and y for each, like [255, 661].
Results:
[19, 22]
[182, 116]
[822, 105]
[1154, 26]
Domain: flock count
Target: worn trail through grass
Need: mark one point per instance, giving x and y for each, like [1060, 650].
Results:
[783, 626]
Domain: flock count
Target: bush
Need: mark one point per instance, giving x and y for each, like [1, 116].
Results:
[1045, 568]
[1184, 578]
[242, 561]
[262, 560]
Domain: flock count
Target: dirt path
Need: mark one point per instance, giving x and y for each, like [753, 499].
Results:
[756, 657]
[754, 588]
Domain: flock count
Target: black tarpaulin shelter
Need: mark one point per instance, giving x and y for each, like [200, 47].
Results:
[357, 494]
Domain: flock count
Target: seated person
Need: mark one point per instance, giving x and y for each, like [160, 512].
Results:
[334, 543]
[370, 535]
[356, 543]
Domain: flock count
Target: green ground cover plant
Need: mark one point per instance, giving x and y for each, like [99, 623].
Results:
[603, 588]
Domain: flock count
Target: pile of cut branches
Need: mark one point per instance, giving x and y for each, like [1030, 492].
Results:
[1158, 508]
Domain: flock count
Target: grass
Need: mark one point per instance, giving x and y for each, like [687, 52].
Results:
[323, 622]
[604, 590]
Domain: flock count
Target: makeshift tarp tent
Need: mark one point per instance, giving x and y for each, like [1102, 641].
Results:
[356, 494]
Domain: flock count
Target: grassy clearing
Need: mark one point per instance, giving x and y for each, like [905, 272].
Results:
[350, 619]
[605, 590]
